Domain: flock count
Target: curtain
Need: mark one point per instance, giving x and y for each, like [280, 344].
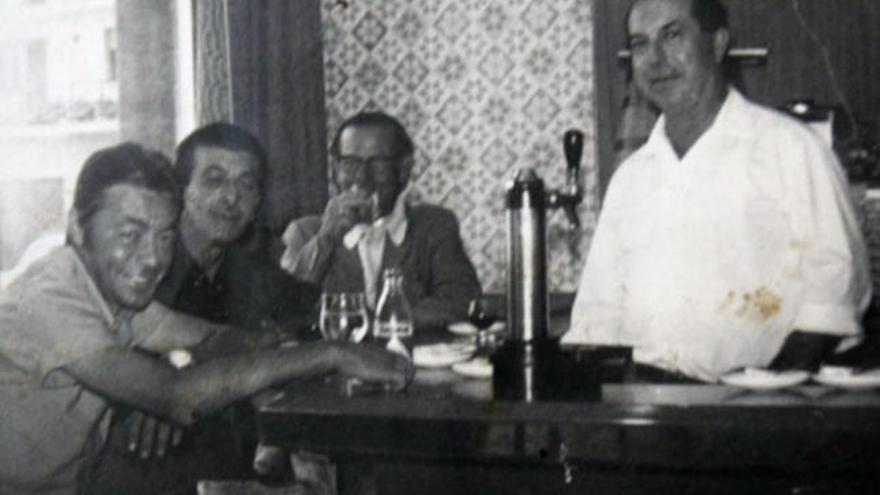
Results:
[259, 64]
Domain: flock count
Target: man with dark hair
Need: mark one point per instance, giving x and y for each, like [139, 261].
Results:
[709, 14]
[139, 167]
[70, 354]
[728, 240]
[368, 227]
[219, 135]
[215, 275]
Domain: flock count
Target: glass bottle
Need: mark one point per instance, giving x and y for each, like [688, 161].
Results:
[393, 324]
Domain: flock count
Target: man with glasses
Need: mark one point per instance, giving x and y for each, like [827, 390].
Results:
[368, 226]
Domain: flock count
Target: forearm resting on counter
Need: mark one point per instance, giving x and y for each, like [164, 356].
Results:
[804, 350]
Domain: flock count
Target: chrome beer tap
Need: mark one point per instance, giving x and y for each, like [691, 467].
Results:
[530, 365]
[527, 205]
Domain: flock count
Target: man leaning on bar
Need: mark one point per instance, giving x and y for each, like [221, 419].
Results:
[728, 239]
[217, 276]
[70, 354]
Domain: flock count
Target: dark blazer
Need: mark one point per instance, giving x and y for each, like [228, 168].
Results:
[247, 291]
[439, 279]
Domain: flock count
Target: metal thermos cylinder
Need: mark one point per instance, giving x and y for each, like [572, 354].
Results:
[527, 300]
[530, 365]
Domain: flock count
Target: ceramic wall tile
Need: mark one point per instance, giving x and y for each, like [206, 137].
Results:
[485, 87]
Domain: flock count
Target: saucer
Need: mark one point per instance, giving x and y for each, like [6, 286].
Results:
[467, 328]
[847, 378]
[442, 355]
[479, 367]
[462, 328]
[761, 379]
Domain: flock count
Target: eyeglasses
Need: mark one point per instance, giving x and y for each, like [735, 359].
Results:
[372, 168]
[352, 163]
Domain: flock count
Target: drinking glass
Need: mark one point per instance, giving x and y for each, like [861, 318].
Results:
[483, 311]
[344, 317]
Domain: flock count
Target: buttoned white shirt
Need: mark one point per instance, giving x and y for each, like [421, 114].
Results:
[706, 263]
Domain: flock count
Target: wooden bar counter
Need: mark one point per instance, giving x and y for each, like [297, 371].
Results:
[446, 434]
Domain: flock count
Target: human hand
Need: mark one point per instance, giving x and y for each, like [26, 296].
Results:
[343, 211]
[374, 364]
[151, 437]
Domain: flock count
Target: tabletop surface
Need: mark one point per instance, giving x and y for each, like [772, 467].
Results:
[441, 393]
[805, 429]
[444, 417]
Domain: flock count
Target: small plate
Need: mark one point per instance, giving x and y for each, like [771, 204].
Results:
[462, 328]
[442, 355]
[467, 328]
[760, 379]
[847, 378]
[479, 367]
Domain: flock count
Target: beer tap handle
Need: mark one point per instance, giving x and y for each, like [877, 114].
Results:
[573, 144]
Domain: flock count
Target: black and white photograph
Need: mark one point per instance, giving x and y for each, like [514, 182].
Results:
[389, 247]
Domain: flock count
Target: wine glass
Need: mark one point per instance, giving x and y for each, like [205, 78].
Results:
[344, 317]
[483, 311]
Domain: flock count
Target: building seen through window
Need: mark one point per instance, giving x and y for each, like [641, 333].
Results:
[58, 77]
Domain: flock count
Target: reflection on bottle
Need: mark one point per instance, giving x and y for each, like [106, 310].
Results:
[393, 322]
[396, 345]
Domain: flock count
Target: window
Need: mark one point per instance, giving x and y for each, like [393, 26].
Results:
[60, 81]
[110, 52]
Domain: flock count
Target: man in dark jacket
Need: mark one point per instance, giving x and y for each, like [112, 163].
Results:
[368, 227]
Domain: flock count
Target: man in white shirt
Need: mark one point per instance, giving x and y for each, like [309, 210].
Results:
[728, 239]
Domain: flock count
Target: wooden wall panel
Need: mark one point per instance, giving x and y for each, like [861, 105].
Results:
[848, 29]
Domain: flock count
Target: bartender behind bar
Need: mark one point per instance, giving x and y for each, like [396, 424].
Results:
[728, 239]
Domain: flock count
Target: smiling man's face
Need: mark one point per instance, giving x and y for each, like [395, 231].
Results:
[222, 196]
[129, 243]
[675, 63]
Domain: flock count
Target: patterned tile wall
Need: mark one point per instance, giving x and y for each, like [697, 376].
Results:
[484, 87]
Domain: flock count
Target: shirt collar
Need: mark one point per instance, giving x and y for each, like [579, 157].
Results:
[732, 119]
[394, 224]
[92, 288]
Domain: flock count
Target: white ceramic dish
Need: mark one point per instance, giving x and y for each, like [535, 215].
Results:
[442, 355]
[847, 378]
[462, 328]
[467, 328]
[479, 367]
[759, 379]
